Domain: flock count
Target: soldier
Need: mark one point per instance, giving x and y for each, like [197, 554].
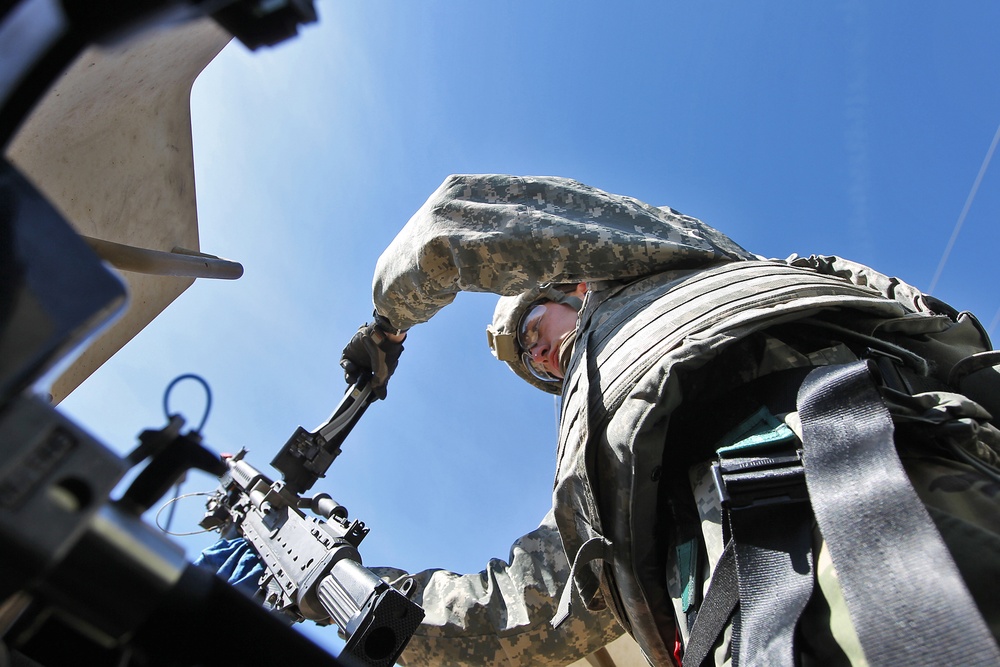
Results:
[727, 484]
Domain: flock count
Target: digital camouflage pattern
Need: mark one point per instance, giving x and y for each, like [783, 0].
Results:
[507, 234]
[643, 339]
[500, 617]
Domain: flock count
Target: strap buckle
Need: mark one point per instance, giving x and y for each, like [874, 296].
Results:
[750, 481]
[888, 370]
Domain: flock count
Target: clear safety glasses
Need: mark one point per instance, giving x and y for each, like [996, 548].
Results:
[527, 338]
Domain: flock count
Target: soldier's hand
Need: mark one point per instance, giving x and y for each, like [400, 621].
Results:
[372, 349]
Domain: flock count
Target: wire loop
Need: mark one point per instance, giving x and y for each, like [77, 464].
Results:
[170, 503]
[208, 397]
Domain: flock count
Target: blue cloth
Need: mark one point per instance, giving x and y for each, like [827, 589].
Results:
[235, 561]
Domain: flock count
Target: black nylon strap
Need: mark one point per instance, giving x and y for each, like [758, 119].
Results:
[775, 571]
[767, 567]
[720, 601]
[905, 596]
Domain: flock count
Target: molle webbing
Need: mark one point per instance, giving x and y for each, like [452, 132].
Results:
[668, 321]
[733, 298]
[663, 320]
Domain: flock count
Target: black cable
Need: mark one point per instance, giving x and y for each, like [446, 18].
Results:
[208, 397]
[173, 506]
[201, 425]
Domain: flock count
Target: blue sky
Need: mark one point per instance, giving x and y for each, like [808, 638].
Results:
[851, 128]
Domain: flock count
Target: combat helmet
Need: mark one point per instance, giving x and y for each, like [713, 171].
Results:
[502, 333]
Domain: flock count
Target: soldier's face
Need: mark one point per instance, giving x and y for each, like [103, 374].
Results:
[544, 330]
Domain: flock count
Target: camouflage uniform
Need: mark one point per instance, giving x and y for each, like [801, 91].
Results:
[619, 465]
[501, 616]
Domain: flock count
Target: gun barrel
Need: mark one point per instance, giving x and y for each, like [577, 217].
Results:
[378, 619]
[244, 474]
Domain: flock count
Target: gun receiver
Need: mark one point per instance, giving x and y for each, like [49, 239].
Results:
[313, 567]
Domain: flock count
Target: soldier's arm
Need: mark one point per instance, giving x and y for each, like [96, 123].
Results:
[506, 234]
[501, 617]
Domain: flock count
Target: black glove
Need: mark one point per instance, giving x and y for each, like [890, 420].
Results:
[371, 350]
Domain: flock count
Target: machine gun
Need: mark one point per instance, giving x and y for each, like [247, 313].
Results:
[312, 566]
[83, 579]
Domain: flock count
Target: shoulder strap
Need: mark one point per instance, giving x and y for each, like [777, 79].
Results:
[720, 601]
[904, 593]
[907, 601]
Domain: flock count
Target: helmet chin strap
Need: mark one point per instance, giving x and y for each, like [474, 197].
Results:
[549, 293]
[566, 352]
[574, 302]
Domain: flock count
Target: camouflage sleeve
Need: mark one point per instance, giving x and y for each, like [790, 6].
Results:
[501, 616]
[507, 234]
[892, 288]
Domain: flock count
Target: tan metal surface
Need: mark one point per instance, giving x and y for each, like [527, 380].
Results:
[622, 652]
[110, 146]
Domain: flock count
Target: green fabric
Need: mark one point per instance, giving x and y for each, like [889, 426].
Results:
[761, 429]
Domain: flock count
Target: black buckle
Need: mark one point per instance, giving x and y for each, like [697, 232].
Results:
[888, 370]
[743, 482]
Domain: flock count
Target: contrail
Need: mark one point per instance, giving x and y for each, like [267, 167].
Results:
[965, 210]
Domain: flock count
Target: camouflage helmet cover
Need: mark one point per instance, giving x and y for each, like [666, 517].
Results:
[502, 333]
